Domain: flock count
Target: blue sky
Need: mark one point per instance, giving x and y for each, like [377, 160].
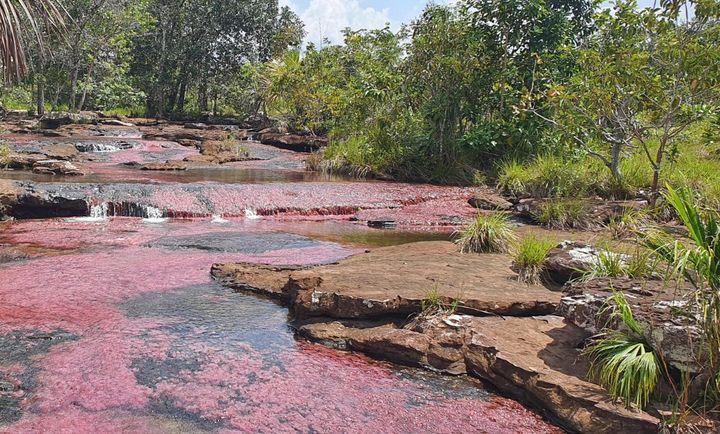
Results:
[327, 18]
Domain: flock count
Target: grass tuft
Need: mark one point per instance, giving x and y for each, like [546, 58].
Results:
[491, 233]
[530, 256]
[563, 214]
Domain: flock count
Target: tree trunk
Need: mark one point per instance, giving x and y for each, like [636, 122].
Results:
[181, 97]
[40, 95]
[203, 97]
[657, 166]
[73, 87]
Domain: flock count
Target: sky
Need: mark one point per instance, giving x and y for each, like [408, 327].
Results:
[325, 19]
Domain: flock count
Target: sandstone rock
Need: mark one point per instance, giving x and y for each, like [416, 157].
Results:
[535, 359]
[262, 279]
[116, 123]
[538, 360]
[569, 260]
[294, 142]
[57, 167]
[654, 304]
[57, 119]
[25, 201]
[171, 165]
[488, 200]
[60, 151]
[367, 285]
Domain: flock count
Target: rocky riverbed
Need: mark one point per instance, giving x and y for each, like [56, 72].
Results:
[116, 314]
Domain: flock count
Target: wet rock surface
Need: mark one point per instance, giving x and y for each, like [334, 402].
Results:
[236, 242]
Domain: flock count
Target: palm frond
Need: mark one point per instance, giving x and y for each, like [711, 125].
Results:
[15, 17]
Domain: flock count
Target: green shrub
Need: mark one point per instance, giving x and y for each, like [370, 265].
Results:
[530, 256]
[513, 178]
[622, 361]
[491, 233]
[563, 214]
[608, 264]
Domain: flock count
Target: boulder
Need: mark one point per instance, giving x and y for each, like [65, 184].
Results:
[293, 142]
[57, 167]
[489, 200]
[570, 260]
[654, 304]
[55, 120]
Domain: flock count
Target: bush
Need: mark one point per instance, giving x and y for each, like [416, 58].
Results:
[563, 214]
[491, 233]
[529, 257]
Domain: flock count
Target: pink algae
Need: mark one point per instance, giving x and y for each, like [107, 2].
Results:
[124, 362]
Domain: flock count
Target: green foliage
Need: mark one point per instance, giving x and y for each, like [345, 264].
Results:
[490, 233]
[608, 264]
[563, 214]
[530, 256]
[435, 303]
[623, 361]
[699, 264]
[643, 79]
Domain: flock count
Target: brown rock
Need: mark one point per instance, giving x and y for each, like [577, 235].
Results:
[487, 199]
[294, 142]
[170, 165]
[539, 361]
[60, 151]
[654, 304]
[395, 280]
[262, 279]
[570, 260]
[535, 359]
[57, 167]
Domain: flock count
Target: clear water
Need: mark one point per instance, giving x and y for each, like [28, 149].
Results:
[116, 326]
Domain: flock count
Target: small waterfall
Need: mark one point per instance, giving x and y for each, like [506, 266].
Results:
[251, 214]
[98, 213]
[218, 219]
[153, 215]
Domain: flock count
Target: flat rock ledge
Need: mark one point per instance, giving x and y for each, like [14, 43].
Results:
[536, 360]
[504, 331]
[395, 281]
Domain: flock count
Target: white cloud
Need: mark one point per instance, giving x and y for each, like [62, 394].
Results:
[326, 19]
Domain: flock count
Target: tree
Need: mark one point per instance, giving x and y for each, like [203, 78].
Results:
[643, 80]
[204, 43]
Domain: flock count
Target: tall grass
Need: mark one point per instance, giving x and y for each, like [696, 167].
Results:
[563, 214]
[491, 233]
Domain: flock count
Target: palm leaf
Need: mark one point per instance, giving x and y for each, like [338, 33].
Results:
[15, 17]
